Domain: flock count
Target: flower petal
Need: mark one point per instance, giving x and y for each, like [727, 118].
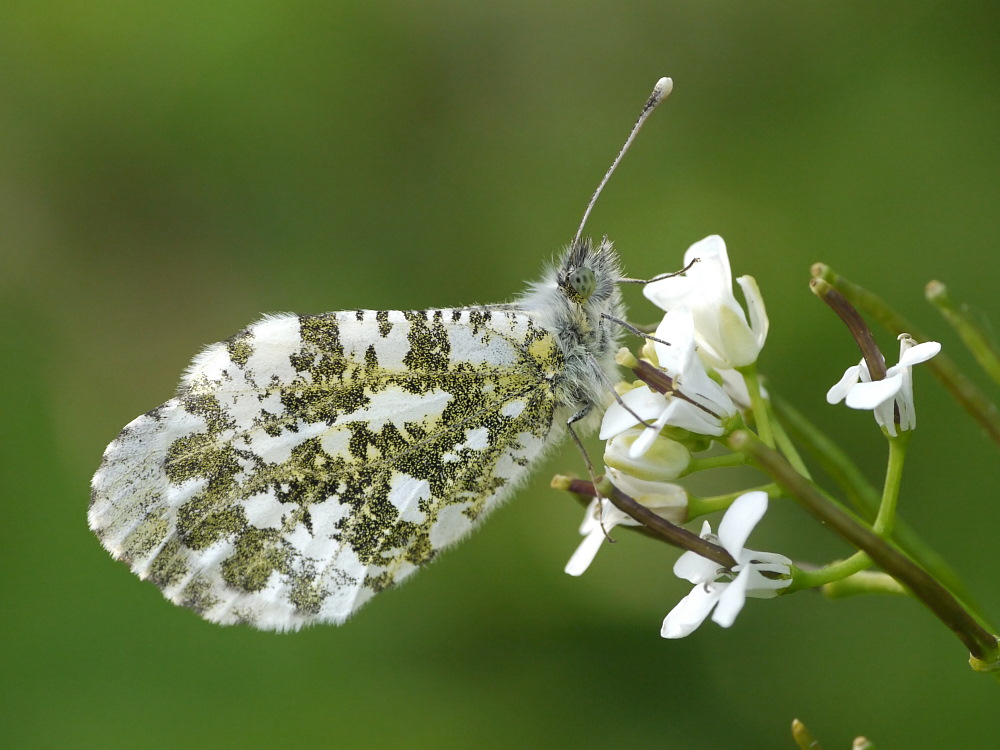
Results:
[739, 521]
[732, 599]
[590, 521]
[904, 402]
[759, 322]
[736, 388]
[645, 403]
[694, 568]
[662, 461]
[691, 611]
[914, 355]
[712, 274]
[671, 292]
[676, 327]
[849, 379]
[643, 443]
[760, 586]
[875, 393]
[682, 363]
[737, 342]
[585, 552]
[687, 416]
[596, 524]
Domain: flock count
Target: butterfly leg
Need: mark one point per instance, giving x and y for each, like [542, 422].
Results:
[590, 465]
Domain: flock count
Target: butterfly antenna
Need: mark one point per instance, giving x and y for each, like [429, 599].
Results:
[661, 90]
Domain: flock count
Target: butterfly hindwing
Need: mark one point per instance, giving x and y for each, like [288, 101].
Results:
[311, 461]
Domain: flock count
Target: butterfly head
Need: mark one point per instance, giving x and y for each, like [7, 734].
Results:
[579, 284]
[588, 276]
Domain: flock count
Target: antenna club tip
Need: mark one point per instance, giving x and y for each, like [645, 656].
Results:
[663, 88]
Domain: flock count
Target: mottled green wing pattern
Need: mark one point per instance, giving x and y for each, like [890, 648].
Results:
[312, 461]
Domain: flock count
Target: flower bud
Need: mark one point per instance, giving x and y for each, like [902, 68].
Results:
[665, 459]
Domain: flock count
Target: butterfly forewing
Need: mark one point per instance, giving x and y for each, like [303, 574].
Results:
[311, 461]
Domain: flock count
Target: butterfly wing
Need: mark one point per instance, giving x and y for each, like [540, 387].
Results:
[312, 461]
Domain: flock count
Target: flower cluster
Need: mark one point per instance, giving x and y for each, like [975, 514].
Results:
[696, 384]
[702, 342]
[704, 329]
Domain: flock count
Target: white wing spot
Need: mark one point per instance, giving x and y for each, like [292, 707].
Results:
[275, 340]
[278, 449]
[264, 511]
[396, 406]
[406, 493]
[452, 523]
[477, 439]
[512, 409]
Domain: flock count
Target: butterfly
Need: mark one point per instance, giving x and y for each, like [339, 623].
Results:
[312, 461]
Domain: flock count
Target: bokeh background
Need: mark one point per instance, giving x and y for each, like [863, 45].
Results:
[170, 171]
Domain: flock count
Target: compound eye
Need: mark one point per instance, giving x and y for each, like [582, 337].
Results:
[582, 281]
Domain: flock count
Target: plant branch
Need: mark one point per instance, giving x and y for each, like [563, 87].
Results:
[662, 528]
[982, 644]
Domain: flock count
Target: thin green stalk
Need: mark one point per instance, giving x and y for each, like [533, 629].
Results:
[863, 497]
[811, 579]
[700, 506]
[714, 462]
[864, 582]
[883, 525]
[886, 518]
[760, 412]
[973, 336]
[785, 444]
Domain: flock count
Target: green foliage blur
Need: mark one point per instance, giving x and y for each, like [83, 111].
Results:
[169, 171]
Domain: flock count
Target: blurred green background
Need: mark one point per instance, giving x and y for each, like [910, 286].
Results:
[170, 171]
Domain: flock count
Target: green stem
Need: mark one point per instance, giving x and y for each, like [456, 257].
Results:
[761, 414]
[785, 444]
[810, 579]
[860, 561]
[865, 499]
[975, 403]
[886, 518]
[700, 506]
[714, 462]
[980, 642]
[972, 335]
[864, 582]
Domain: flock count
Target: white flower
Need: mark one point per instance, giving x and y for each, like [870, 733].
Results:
[887, 396]
[667, 500]
[601, 516]
[727, 597]
[725, 339]
[701, 407]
